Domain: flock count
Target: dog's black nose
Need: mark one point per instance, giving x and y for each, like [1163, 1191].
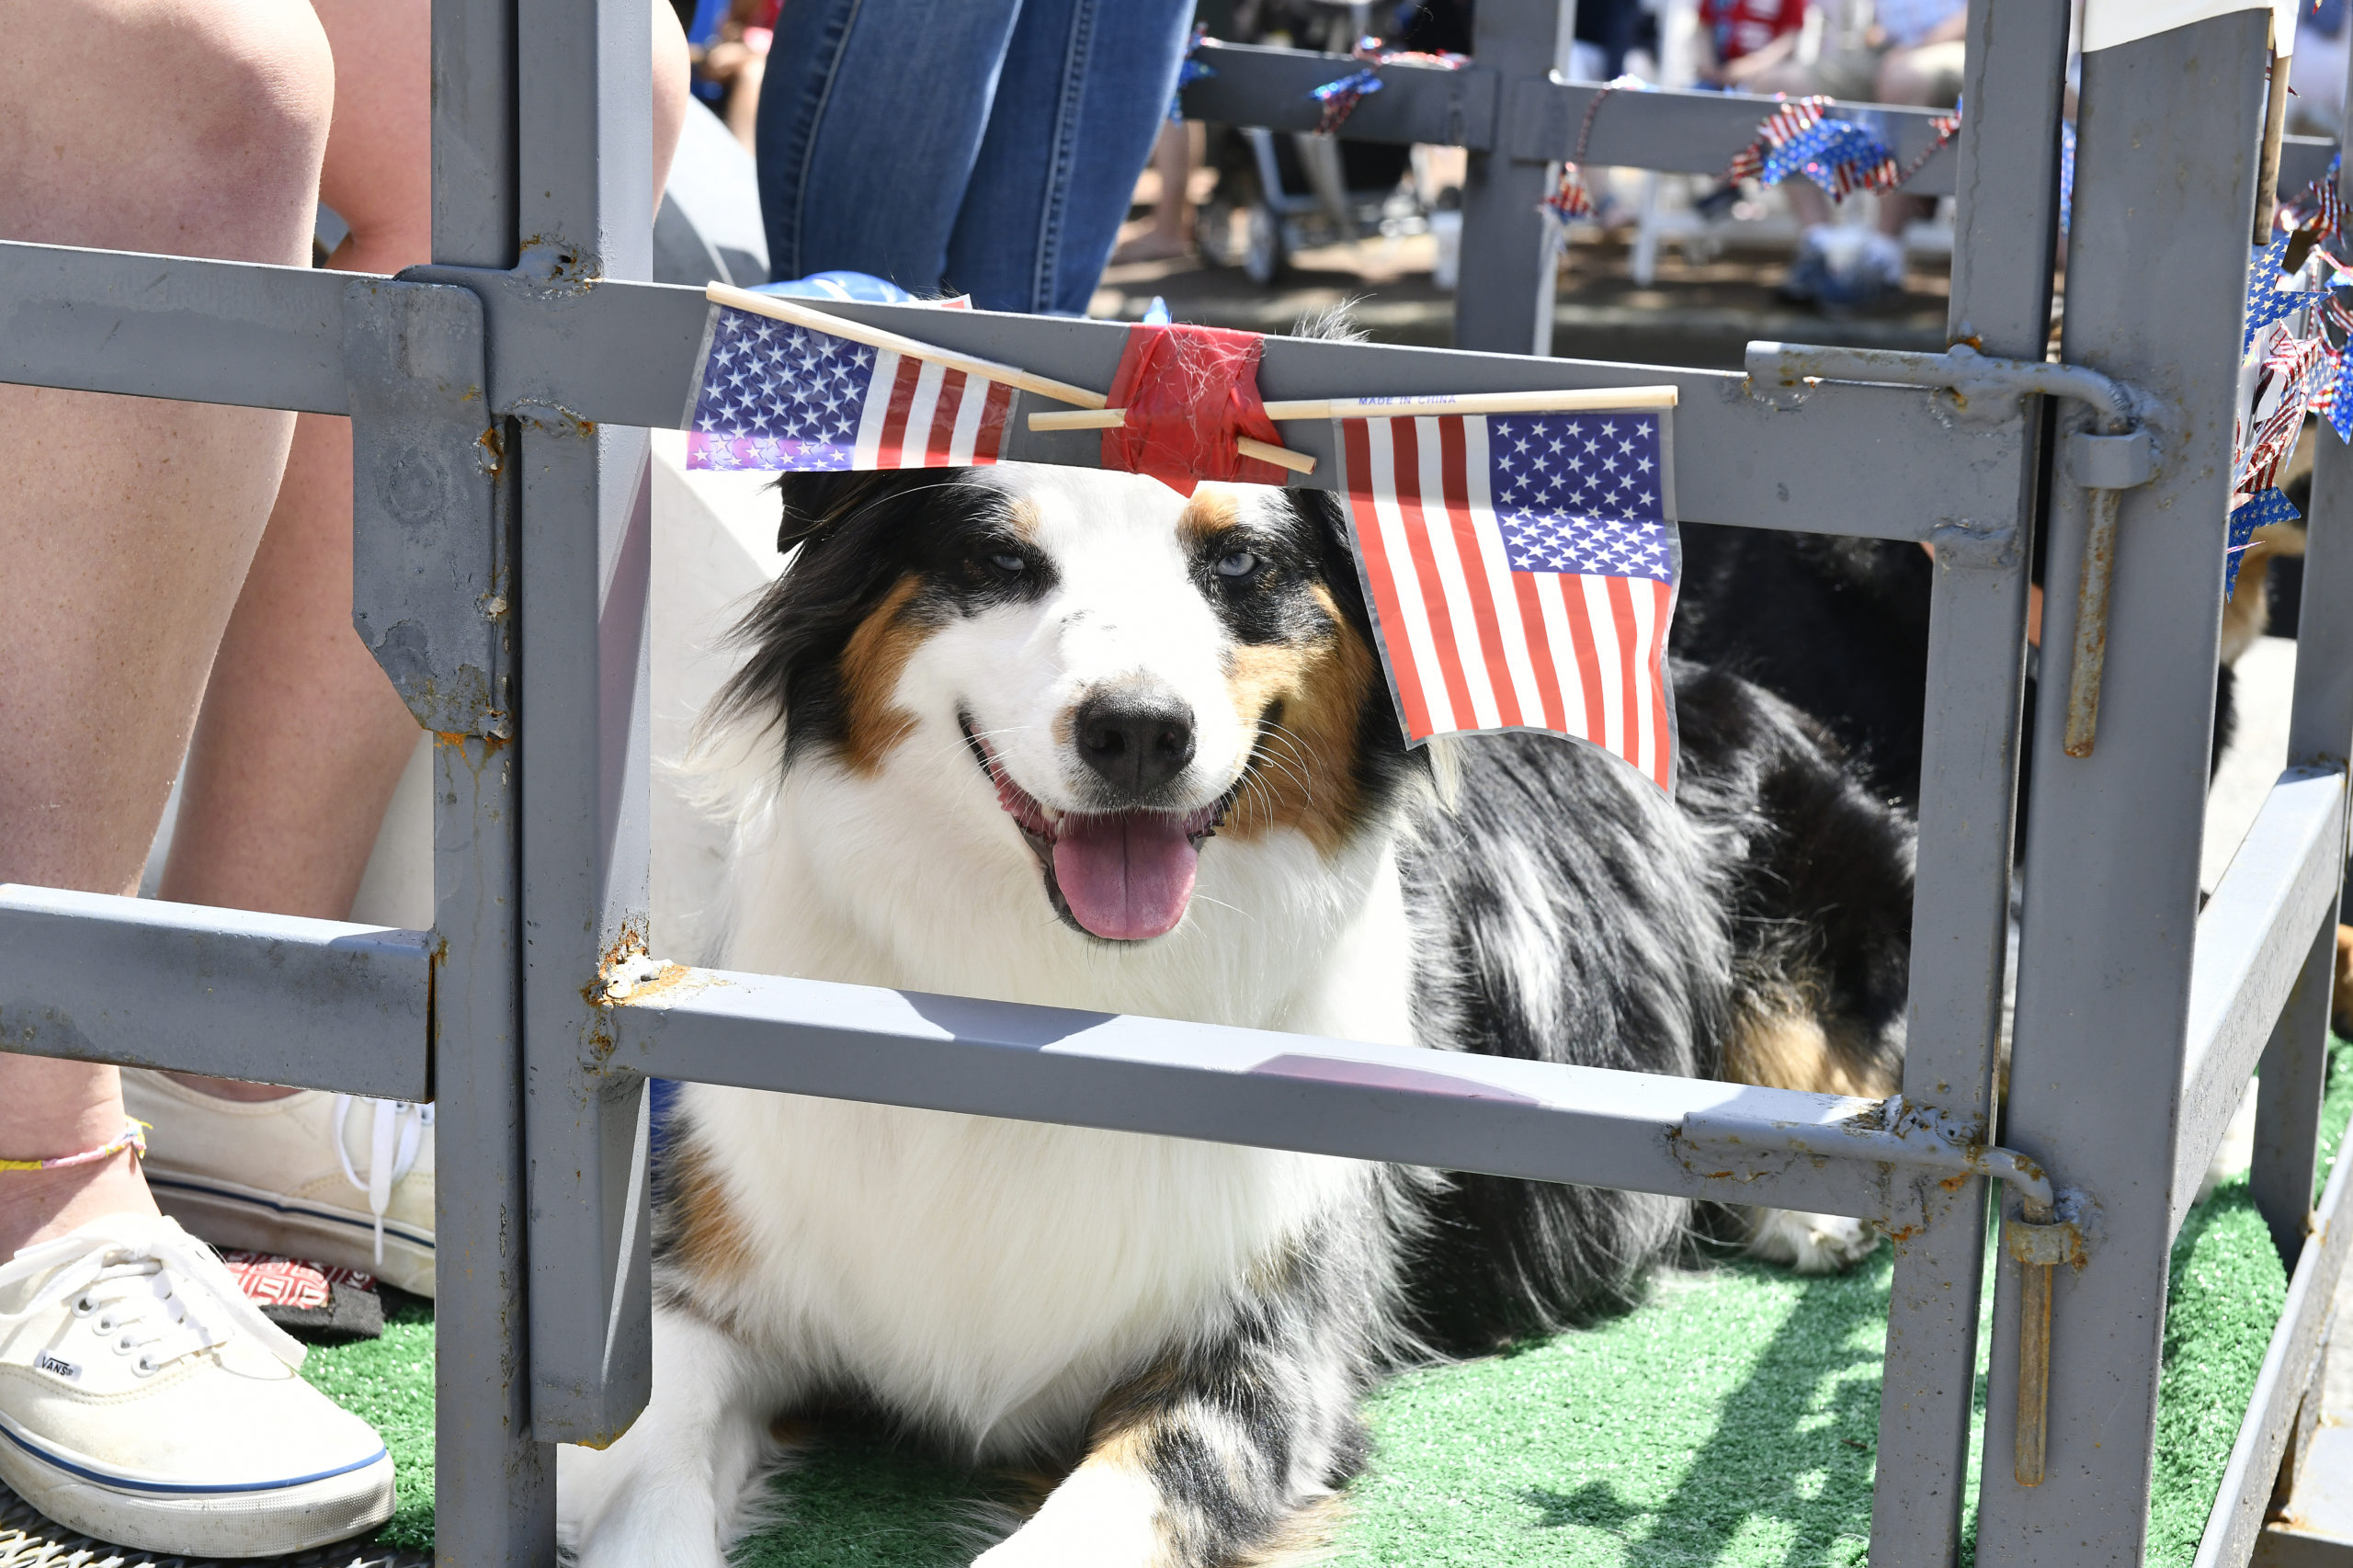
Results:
[1137, 740]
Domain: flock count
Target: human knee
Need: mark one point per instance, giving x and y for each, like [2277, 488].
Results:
[239, 80]
[180, 124]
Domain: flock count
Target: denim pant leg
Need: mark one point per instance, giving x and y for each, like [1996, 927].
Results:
[870, 118]
[1080, 101]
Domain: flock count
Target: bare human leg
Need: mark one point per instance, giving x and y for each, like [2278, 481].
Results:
[1171, 233]
[186, 126]
[302, 739]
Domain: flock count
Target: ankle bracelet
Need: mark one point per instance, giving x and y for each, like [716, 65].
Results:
[134, 1138]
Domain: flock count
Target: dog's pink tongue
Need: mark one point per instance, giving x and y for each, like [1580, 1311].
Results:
[1126, 876]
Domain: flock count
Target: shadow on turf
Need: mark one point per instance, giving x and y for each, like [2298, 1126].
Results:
[1769, 1434]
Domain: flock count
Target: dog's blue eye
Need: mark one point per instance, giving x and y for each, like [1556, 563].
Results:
[1009, 564]
[1237, 563]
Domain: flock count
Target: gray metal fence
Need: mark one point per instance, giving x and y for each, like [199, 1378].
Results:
[525, 1013]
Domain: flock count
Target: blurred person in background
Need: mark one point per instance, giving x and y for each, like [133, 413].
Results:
[728, 40]
[988, 147]
[1911, 54]
[1739, 41]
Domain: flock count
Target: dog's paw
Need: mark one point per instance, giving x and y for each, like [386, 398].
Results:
[1102, 1516]
[1809, 1244]
[610, 1513]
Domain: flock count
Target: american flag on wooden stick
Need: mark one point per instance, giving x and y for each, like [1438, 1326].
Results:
[1523, 570]
[773, 395]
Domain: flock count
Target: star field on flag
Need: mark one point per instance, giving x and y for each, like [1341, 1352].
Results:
[772, 395]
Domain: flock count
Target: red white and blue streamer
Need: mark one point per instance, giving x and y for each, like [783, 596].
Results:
[1340, 97]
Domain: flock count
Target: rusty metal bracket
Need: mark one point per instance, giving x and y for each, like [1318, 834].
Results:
[1893, 1133]
[429, 591]
[1903, 1138]
[2120, 456]
[2039, 1241]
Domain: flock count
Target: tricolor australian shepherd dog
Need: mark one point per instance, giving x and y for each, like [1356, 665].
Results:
[1066, 737]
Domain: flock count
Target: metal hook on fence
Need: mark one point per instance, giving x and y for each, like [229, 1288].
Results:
[2117, 456]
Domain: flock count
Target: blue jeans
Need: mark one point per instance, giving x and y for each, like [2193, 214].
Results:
[987, 147]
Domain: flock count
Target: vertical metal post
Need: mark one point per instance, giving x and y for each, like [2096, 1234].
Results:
[2008, 184]
[2295, 1062]
[2287, 1102]
[494, 1481]
[2165, 150]
[1503, 298]
[586, 99]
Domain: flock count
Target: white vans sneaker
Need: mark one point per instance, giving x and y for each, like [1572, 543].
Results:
[330, 1178]
[144, 1401]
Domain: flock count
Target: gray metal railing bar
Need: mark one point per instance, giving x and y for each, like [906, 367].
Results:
[2302, 159]
[1255, 84]
[1503, 295]
[583, 557]
[1819, 464]
[494, 1479]
[2001, 294]
[2295, 1063]
[2254, 937]
[623, 353]
[2288, 1372]
[1695, 1138]
[2320, 731]
[273, 998]
[1699, 132]
[2166, 144]
[1673, 131]
[173, 327]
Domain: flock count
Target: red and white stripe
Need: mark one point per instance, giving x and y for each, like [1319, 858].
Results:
[919, 413]
[1474, 646]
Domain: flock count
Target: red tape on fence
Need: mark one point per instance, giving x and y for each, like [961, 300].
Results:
[1189, 391]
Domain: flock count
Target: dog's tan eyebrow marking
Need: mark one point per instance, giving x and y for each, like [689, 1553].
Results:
[1026, 517]
[1208, 514]
[872, 662]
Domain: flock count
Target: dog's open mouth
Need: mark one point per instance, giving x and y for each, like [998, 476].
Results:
[1123, 876]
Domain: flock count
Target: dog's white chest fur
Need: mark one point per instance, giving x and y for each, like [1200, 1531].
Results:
[992, 1277]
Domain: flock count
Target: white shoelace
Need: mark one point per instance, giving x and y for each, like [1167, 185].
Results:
[395, 1135]
[165, 1297]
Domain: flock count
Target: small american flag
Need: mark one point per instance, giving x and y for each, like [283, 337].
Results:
[1522, 573]
[772, 395]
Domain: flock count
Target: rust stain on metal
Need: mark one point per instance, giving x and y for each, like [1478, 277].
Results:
[628, 943]
[669, 977]
[2034, 1376]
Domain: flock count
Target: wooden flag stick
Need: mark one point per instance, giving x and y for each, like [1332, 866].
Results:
[1282, 457]
[1571, 401]
[780, 309]
[777, 307]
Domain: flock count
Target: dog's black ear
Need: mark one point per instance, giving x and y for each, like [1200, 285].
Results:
[813, 500]
[849, 536]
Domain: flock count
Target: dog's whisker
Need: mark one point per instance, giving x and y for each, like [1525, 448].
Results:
[1200, 897]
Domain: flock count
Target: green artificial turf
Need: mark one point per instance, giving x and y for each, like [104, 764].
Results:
[389, 1382]
[1728, 1421]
